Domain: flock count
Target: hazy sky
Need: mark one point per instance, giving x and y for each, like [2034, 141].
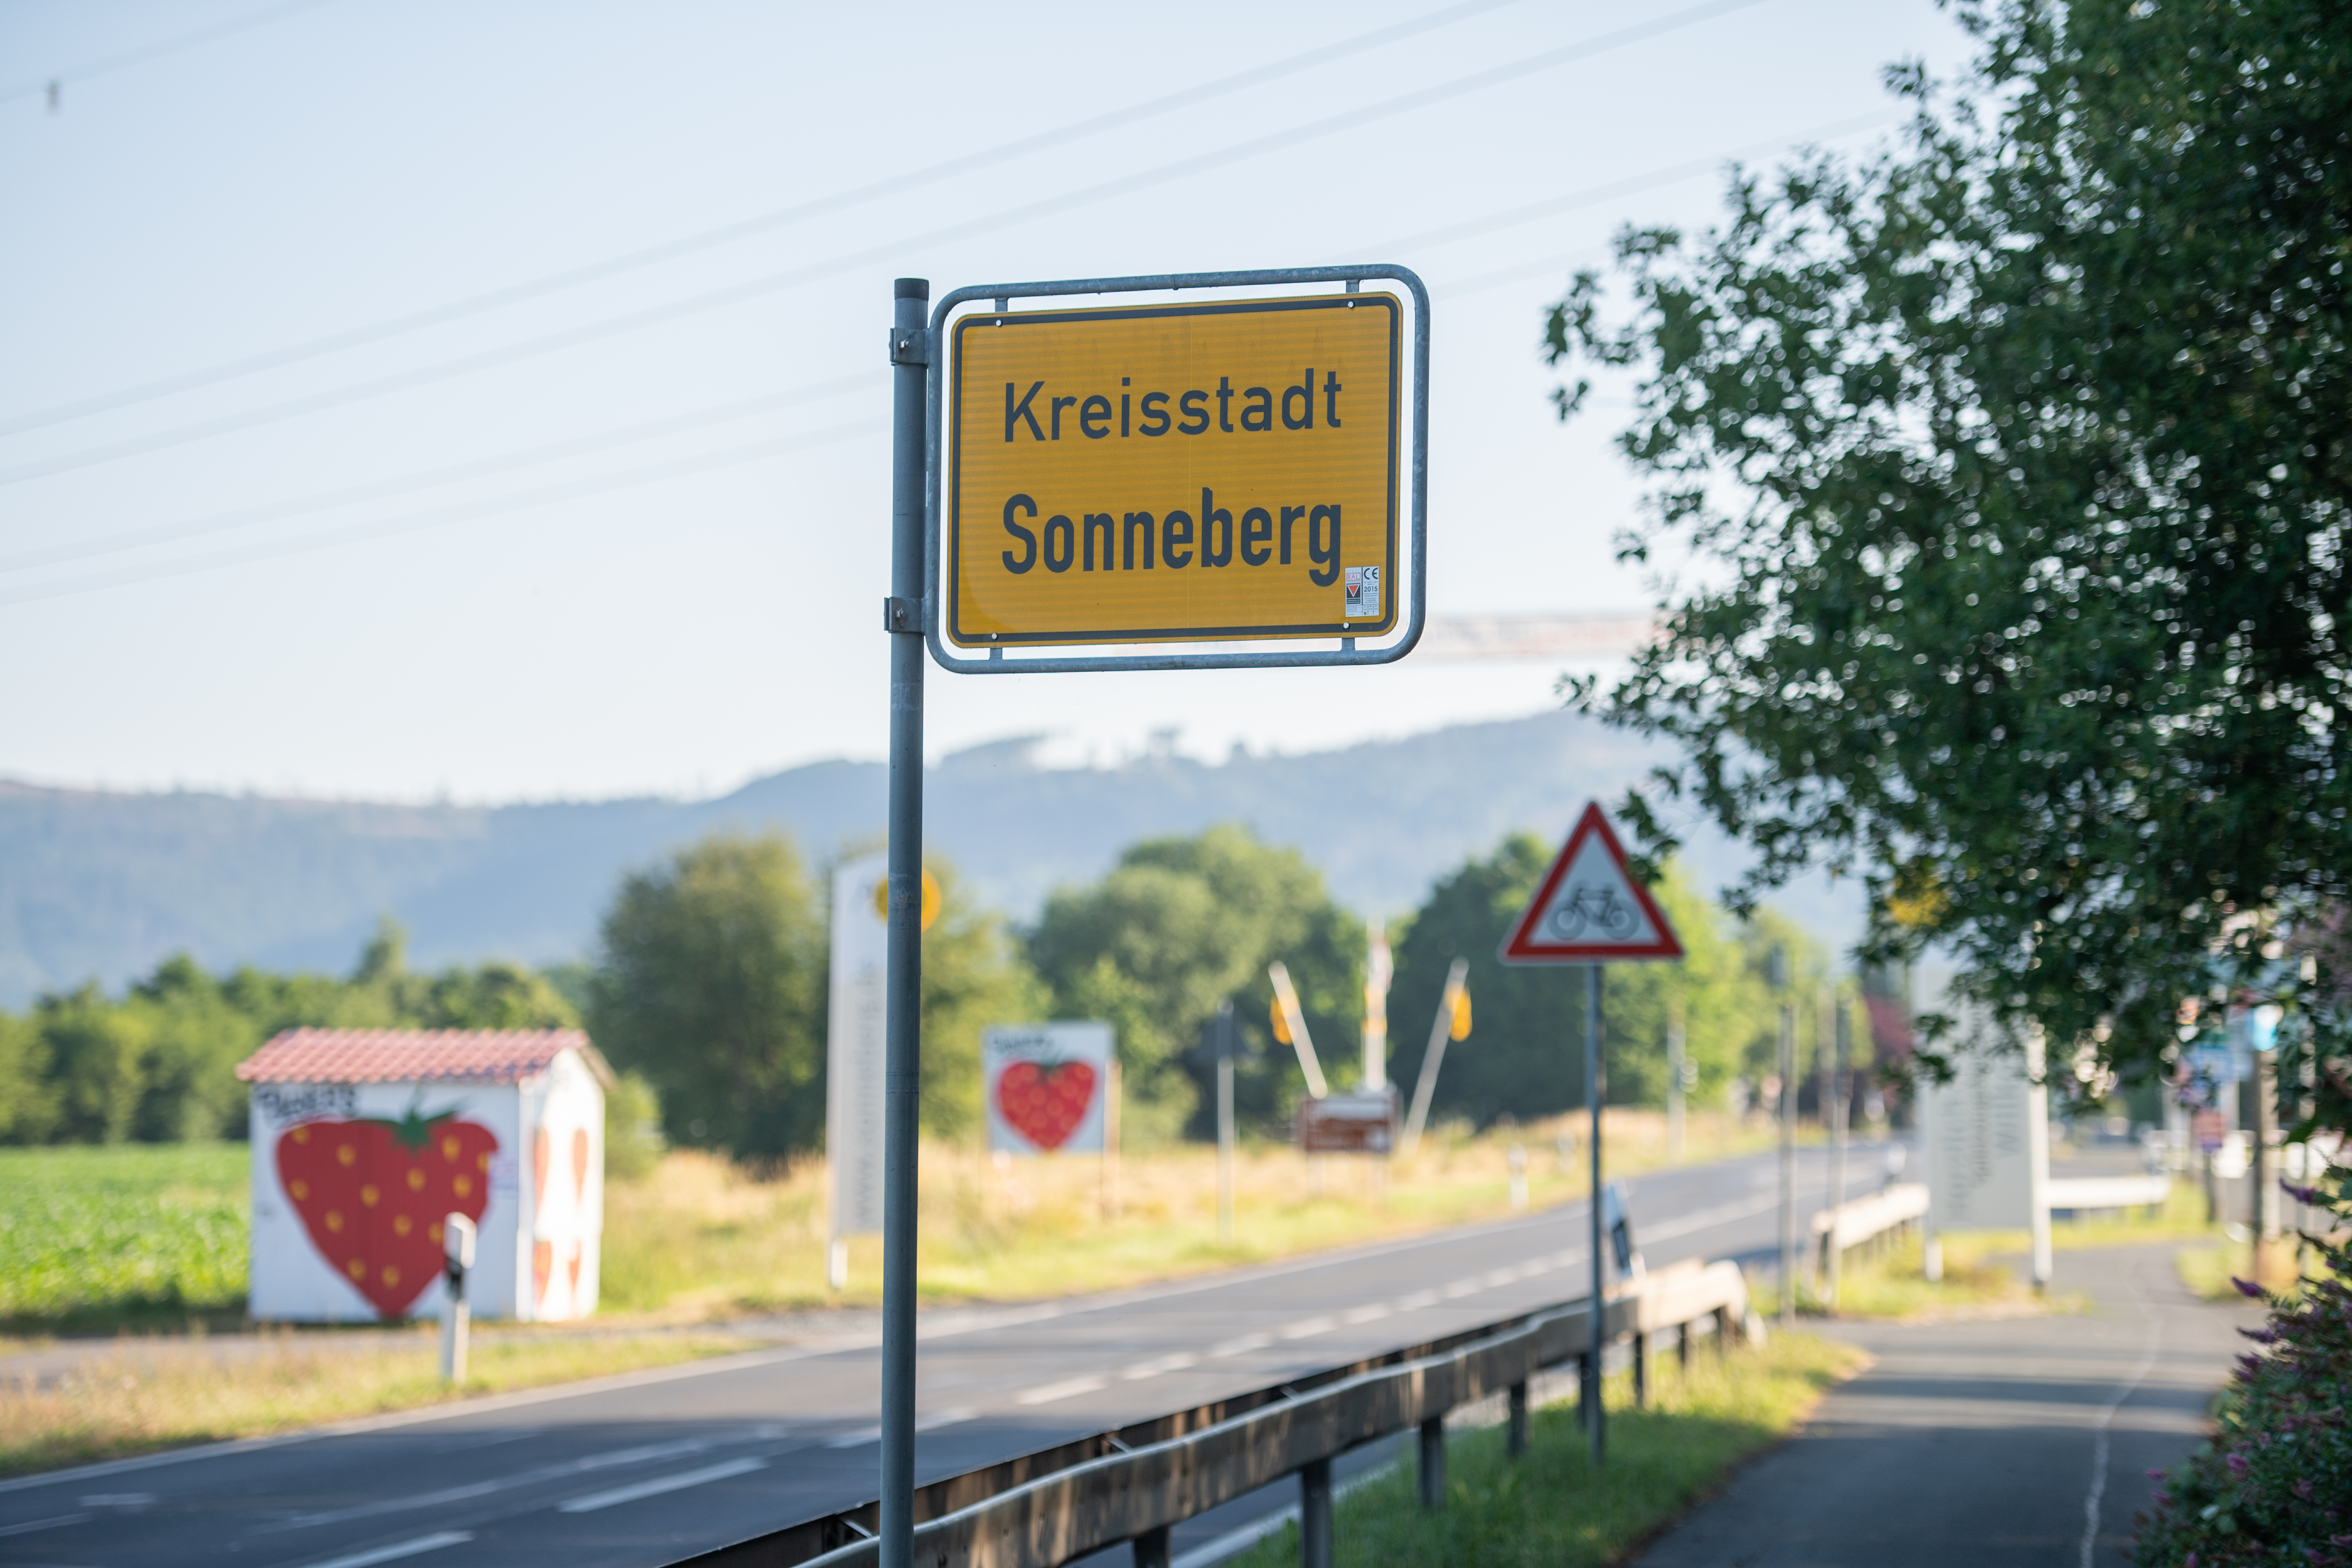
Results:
[629, 533]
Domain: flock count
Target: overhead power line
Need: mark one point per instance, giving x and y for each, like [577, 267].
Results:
[1551, 207]
[773, 283]
[765, 223]
[1478, 283]
[410, 522]
[604, 440]
[50, 81]
[405, 484]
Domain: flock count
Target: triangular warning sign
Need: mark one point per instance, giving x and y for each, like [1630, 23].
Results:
[1589, 908]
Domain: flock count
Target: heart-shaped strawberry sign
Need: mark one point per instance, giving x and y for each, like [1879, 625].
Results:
[372, 1194]
[1045, 1102]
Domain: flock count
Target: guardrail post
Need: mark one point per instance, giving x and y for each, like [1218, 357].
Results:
[1722, 1333]
[1151, 1547]
[1584, 1390]
[1315, 1514]
[1682, 1349]
[1516, 1442]
[1432, 1463]
[1640, 1369]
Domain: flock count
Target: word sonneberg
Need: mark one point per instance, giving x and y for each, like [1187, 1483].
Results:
[1169, 538]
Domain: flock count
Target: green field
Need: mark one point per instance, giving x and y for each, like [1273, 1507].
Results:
[122, 1234]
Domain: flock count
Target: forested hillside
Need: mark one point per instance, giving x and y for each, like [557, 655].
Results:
[104, 886]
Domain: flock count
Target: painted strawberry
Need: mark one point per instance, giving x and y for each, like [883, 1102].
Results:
[1045, 1102]
[579, 1165]
[373, 1193]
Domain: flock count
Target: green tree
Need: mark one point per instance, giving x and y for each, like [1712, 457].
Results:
[1525, 1056]
[2018, 458]
[710, 983]
[974, 974]
[195, 1038]
[1181, 924]
[28, 1102]
[96, 1051]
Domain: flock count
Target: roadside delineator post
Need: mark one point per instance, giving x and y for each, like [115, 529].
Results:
[457, 1318]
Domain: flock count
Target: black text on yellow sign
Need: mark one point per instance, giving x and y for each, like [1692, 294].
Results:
[1174, 472]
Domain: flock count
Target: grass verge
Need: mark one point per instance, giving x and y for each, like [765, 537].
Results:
[1550, 1507]
[147, 1395]
[2208, 1270]
[1892, 1285]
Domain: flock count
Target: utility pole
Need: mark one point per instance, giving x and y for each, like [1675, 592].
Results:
[1225, 1123]
[1779, 975]
[1674, 1086]
[1841, 1096]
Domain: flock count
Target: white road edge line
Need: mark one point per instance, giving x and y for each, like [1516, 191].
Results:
[54, 1522]
[2097, 1494]
[1068, 1388]
[397, 1550]
[931, 1423]
[660, 1484]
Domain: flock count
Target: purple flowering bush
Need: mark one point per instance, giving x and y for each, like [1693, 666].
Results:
[2273, 1485]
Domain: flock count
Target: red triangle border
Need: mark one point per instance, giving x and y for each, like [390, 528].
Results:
[1521, 948]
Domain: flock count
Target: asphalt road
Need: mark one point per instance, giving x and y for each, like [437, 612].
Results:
[650, 1468]
[2022, 1441]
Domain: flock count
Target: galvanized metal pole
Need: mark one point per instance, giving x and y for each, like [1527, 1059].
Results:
[903, 617]
[1591, 1393]
[1225, 1123]
[1841, 1099]
[1674, 1087]
[1788, 1166]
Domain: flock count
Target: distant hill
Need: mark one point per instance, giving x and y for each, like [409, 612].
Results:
[103, 886]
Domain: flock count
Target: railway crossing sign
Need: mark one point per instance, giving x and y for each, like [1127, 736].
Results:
[1589, 908]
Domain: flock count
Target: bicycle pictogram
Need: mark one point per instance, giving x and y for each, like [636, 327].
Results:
[1596, 909]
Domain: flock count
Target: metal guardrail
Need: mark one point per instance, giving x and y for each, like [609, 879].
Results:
[1883, 1215]
[2081, 1194]
[1047, 1508]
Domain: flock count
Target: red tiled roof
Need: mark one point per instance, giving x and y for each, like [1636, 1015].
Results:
[407, 1055]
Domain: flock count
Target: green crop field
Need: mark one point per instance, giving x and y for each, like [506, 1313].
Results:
[114, 1232]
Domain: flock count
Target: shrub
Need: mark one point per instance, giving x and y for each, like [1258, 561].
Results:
[2274, 1483]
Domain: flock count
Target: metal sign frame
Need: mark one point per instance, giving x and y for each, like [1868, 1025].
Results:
[993, 662]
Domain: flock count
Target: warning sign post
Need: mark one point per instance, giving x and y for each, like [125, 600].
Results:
[1590, 909]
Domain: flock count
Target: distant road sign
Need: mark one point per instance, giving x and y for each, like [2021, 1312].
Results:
[1358, 1123]
[1589, 908]
[1173, 473]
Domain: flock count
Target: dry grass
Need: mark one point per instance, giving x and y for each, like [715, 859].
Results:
[1894, 1285]
[157, 1394]
[2208, 1270]
[704, 1238]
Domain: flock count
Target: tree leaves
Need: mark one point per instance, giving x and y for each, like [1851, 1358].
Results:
[2019, 455]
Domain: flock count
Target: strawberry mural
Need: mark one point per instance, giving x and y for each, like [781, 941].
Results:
[373, 1192]
[1045, 1100]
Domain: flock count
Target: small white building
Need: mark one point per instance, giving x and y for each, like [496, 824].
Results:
[365, 1140]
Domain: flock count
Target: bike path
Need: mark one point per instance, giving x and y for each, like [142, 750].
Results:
[2016, 1441]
